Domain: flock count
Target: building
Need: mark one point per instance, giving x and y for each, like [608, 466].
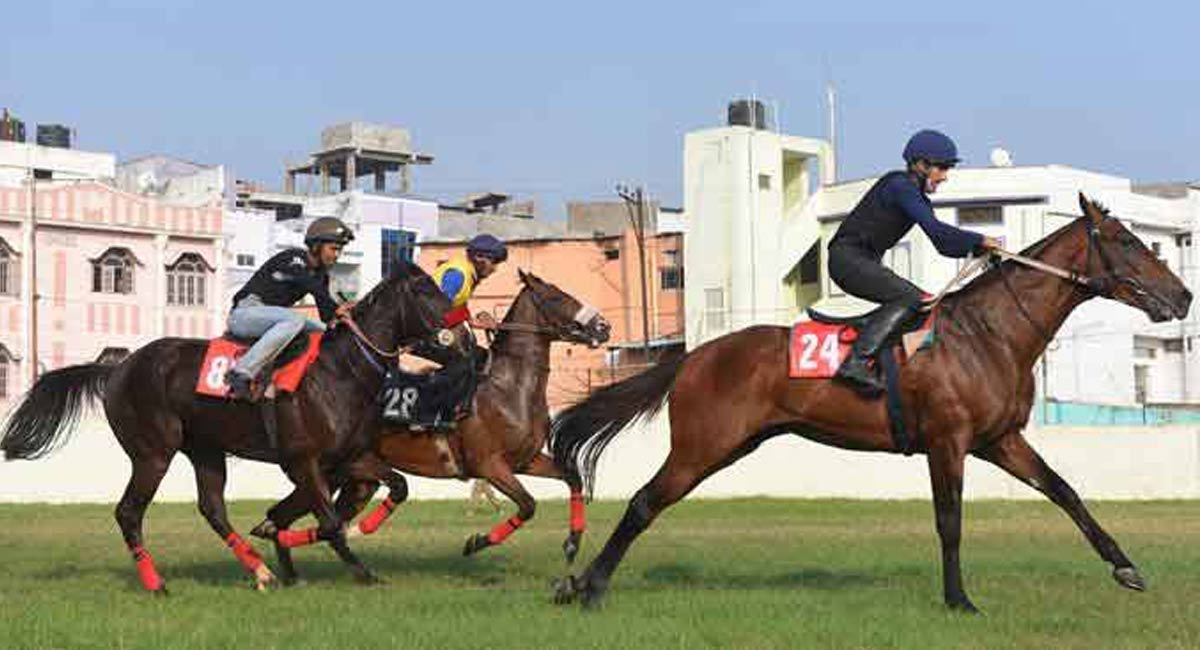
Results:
[757, 249]
[114, 270]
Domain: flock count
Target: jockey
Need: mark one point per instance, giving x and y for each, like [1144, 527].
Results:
[884, 215]
[262, 307]
[459, 277]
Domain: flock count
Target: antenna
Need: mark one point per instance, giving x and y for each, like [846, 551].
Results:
[831, 106]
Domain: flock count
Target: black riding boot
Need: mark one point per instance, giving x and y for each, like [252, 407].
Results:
[871, 339]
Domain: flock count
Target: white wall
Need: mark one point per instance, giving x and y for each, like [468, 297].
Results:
[1101, 463]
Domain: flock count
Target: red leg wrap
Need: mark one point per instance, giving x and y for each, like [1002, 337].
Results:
[244, 552]
[294, 538]
[145, 568]
[502, 531]
[373, 521]
[578, 522]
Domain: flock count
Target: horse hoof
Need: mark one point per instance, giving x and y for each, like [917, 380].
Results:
[571, 547]
[475, 543]
[963, 606]
[161, 592]
[1129, 578]
[266, 530]
[592, 598]
[565, 591]
[368, 579]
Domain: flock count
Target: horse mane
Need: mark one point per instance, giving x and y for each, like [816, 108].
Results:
[1033, 250]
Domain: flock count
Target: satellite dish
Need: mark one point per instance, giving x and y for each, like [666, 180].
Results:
[1001, 158]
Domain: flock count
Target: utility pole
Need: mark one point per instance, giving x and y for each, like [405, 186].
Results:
[637, 219]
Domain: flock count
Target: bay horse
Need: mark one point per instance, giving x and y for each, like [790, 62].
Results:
[504, 436]
[151, 405]
[970, 393]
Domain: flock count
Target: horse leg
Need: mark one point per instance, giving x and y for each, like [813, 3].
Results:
[275, 528]
[946, 474]
[131, 509]
[543, 466]
[397, 493]
[680, 473]
[311, 481]
[210, 487]
[501, 476]
[1013, 454]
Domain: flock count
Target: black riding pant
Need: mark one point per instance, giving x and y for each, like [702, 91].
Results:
[859, 274]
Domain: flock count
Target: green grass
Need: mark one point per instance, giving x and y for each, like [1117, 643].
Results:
[752, 573]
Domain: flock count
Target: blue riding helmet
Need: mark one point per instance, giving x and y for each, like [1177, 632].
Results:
[933, 146]
[488, 246]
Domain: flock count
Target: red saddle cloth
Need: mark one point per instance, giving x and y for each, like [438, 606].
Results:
[223, 352]
[817, 349]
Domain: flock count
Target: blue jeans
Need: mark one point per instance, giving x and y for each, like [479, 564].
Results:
[274, 327]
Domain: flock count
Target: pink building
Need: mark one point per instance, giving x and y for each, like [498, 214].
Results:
[603, 272]
[113, 272]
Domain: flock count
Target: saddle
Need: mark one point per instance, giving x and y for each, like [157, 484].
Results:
[285, 372]
[820, 345]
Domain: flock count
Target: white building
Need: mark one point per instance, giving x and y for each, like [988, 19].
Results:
[386, 228]
[756, 253]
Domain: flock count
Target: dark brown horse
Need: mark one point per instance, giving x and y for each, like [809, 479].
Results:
[151, 404]
[504, 436]
[971, 393]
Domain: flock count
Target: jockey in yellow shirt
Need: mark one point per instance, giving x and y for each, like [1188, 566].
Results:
[459, 277]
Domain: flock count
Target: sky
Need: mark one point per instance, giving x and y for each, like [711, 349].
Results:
[563, 100]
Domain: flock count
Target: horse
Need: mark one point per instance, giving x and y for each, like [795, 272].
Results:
[504, 435]
[151, 405]
[970, 393]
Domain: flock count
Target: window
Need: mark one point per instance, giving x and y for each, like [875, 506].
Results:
[981, 215]
[670, 273]
[1157, 248]
[112, 272]
[1173, 345]
[186, 281]
[612, 253]
[395, 245]
[1141, 383]
[714, 309]
[112, 356]
[764, 181]
[7, 366]
[1144, 347]
[10, 270]
[671, 277]
[245, 259]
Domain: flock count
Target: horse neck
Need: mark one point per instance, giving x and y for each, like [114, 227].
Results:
[1047, 299]
[521, 354]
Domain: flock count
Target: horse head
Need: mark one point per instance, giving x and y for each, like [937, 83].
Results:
[405, 305]
[570, 319]
[1126, 270]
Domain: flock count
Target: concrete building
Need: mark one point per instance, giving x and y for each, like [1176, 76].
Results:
[113, 270]
[756, 253]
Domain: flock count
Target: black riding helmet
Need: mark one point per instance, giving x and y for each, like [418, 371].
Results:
[327, 230]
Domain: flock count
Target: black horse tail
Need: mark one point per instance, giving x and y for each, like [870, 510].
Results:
[51, 409]
[580, 433]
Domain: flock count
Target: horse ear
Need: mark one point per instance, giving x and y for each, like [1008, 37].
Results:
[1089, 208]
[523, 275]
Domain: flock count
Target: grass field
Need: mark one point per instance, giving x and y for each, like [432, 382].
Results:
[742, 573]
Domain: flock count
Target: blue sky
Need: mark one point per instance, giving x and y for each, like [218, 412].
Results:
[561, 100]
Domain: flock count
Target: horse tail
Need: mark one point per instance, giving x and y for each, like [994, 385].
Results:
[580, 433]
[50, 410]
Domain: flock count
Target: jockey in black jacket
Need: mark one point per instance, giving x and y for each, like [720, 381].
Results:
[885, 214]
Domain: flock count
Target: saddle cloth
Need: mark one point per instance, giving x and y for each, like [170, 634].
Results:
[224, 351]
[819, 346]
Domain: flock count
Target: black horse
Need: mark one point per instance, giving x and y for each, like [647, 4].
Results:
[152, 406]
